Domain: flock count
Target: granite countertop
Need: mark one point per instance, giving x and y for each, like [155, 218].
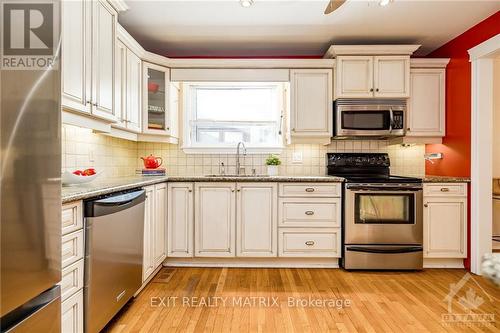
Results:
[110, 185]
[445, 179]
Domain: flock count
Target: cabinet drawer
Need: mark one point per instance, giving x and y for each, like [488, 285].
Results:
[309, 242]
[445, 189]
[309, 190]
[305, 212]
[72, 217]
[71, 279]
[72, 314]
[72, 248]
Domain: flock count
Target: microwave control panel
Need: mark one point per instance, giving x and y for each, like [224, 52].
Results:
[398, 117]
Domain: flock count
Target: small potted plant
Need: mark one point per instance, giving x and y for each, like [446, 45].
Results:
[272, 163]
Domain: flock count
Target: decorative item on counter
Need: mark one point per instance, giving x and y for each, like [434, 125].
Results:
[152, 162]
[79, 176]
[152, 172]
[272, 163]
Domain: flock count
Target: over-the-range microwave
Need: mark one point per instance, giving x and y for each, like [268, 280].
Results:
[369, 118]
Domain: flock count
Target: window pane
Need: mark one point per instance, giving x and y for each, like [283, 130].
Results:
[235, 104]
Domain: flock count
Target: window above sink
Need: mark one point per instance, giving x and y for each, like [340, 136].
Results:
[218, 115]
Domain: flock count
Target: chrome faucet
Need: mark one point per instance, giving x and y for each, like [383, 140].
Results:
[238, 164]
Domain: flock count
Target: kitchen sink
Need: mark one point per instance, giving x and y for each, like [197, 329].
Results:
[235, 175]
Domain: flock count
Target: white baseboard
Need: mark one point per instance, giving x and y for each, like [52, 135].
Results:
[443, 263]
[253, 262]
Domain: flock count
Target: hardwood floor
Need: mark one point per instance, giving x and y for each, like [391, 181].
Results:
[379, 301]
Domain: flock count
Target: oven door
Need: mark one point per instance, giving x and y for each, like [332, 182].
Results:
[383, 214]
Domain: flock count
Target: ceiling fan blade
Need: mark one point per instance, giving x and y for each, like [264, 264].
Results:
[333, 5]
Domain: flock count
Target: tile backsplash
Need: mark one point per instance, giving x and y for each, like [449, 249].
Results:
[81, 148]
[406, 161]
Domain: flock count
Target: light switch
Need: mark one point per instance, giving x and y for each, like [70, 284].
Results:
[91, 155]
[297, 157]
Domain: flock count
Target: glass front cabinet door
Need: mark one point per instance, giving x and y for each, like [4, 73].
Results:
[156, 100]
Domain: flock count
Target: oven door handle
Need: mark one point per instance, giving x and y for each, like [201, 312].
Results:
[406, 249]
[384, 188]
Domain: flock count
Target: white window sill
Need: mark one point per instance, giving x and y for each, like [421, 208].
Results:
[232, 150]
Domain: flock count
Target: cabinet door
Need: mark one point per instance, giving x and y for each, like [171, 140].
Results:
[215, 219]
[256, 220]
[103, 64]
[72, 314]
[120, 85]
[147, 259]
[160, 225]
[134, 91]
[426, 107]
[354, 76]
[311, 102]
[155, 109]
[76, 38]
[174, 93]
[445, 227]
[392, 76]
[180, 220]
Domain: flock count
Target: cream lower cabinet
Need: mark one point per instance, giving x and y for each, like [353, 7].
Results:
[215, 219]
[180, 222]
[445, 220]
[256, 220]
[155, 220]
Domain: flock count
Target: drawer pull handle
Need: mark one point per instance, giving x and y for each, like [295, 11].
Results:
[310, 243]
[309, 212]
[445, 189]
[309, 189]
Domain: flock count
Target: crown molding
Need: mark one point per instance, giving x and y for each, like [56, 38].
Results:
[119, 5]
[340, 50]
[251, 63]
[429, 62]
[129, 41]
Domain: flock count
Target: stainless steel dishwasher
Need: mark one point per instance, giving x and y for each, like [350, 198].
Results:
[114, 227]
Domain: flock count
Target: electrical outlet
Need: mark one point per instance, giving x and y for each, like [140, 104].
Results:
[297, 157]
[91, 155]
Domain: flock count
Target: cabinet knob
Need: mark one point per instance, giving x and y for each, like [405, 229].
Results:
[293, 129]
[168, 128]
[87, 102]
[238, 190]
[371, 89]
[232, 190]
[309, 212]
[190, 190]
[309, 243]
[309, 189]
[376, 89]
[445, 189]
[408, 129]
[426, 205]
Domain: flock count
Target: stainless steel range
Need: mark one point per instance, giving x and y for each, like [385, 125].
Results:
[383, 227]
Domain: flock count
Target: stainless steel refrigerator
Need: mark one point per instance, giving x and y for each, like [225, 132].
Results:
[30, 192]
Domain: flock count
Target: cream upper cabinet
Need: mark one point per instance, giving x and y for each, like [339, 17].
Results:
[445, 222]
[156, 83]
[174, 102]
[76, 55]
[180, 220]
[134, 92]
[256, 220]
[104, 20]
[215, 219]
[391, 76]
[354, 76]
[426, 106]
[311, 102]
[88, 58]
[372, 76]
[120, 85]
[160, 224]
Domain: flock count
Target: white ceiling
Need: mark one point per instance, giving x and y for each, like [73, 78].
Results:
[294, 28]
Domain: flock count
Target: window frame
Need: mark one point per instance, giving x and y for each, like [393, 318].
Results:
[188, 112]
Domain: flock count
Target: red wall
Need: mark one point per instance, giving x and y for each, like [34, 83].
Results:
[456, 145]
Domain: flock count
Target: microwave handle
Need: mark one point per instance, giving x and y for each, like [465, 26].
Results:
[391, 119]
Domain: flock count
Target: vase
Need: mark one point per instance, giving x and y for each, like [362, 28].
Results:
[272, 170]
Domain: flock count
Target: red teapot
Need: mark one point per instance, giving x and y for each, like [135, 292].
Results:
[152, 162]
